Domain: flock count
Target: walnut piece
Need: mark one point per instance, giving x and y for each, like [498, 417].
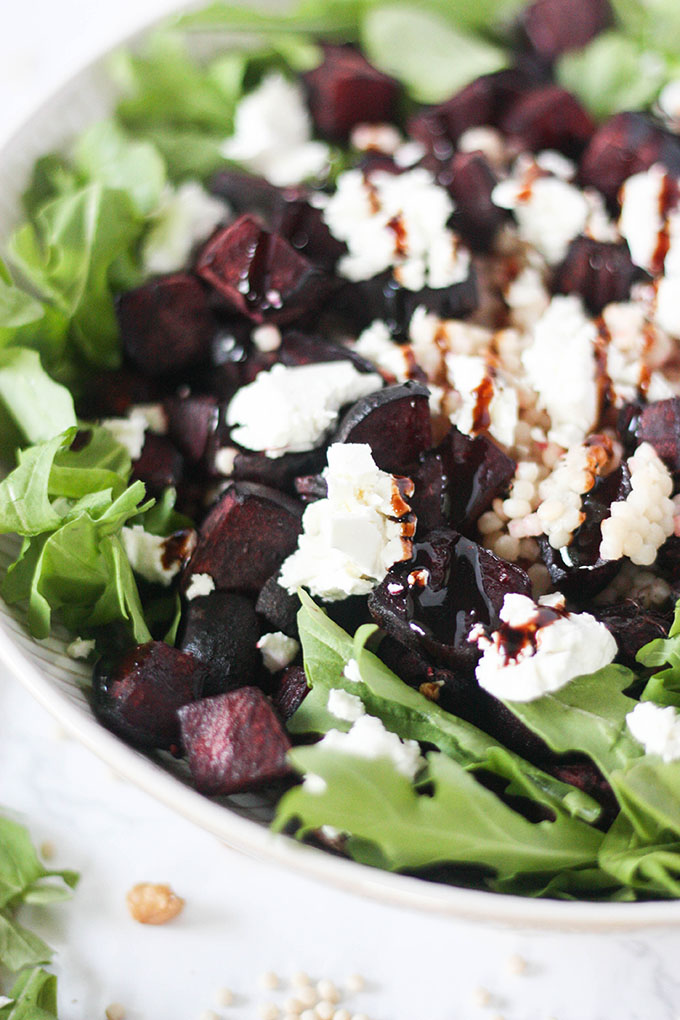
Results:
[150, 903]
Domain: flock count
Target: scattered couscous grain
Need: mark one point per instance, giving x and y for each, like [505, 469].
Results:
[153, 903]
[115, 1011]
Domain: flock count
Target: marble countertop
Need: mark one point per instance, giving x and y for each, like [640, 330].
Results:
[244, 917]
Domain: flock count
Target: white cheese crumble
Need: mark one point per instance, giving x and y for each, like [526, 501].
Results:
[289, 409]
[146, 553]
[573, 644]
[398, 222]
[278, 650]
[559, 514]
[470, 377]
[267, 338]
[369, 739]
[350, 539]
[643, 218]
[81, 648]
[352, 672]
[224, 460]
[199, 585]
[375, 344]
[187, 215]
[129, 432]
[561, 367]
[345, 706]
[549, 211]
[657, 729]
[668, 104]
[527, 297]
[376, 138]
[639, 525]
[273, 134]
[636, 348]
[487, 140]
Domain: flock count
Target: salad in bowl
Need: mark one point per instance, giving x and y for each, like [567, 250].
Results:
[340, 401]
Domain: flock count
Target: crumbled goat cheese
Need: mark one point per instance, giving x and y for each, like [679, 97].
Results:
[640, 524]
[634, 349]
[345, 706]
[155, 416]
[559, 514]
[278, 650]
[550, 212]
[81, 648]
[290, 409]
[146, 553]
[351, 539]
[273, 134]
[644, 218]
[555, 164]
[224, 460]
[668, 104]
[527, 297]
[199, 585]
[561, 368]
[186, 216]
[376, 345]
[129, 432]
[267, 338]
[432, 339]
[368, 738]
[376, 138]
[352, 672]
[668, 304]
[408, 154]
[657, 729]
[398, 222]
[487, 140]
[550, 655]
[471, 377]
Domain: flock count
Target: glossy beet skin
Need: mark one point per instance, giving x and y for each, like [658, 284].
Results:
[470, 182]
[548, 117]
[166, 325]
[160, 464]
[553, 27]
[659, 425]
[246, 537]
[192, 422]
[431, 603]
[346, 90]
[260, 274]
[394, 421]
[600, 272]
[138, 694]
[234, 742]
[221, 631]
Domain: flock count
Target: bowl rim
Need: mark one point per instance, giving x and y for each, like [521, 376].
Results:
[248, 836]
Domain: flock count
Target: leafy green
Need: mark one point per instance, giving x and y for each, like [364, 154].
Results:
[34, 407]
[649, 868]
[32, 997]
[663, 688]
[106, 154]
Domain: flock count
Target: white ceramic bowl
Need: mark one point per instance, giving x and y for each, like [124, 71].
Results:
[241, 822]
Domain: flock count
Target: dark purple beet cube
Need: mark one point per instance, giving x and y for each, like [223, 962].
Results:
[633, 626]
[475, 218]
[659, 424]
[626, 144]
[137, 695]
[291, 689]
[311, 487]
[599, 271]
[553, 27]
[394, 421]
[431, 603]
[277, 607]
[112, 394]
[346, 90]
[304, 228]
[221, 631]
[260, 274]
[192, 420]
[166, 324]
[548, 117]
[477, 471]
[249, 193]
[160, 464]
[246, 537]
[234, 742]
[277, 472]
[302, 349]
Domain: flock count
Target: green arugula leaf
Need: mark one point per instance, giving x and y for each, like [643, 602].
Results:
[648, 791]
[652, 869]
[460, 821]
[33, 997]
[20, 947]
[34, 407]
[25, 507]
[663, 688]
[106, 154]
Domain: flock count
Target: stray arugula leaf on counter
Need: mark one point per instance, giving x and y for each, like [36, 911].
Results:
[24, 880]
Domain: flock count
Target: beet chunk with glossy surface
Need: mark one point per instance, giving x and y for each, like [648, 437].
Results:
[659, 425]
[278, 607]
[192, 421]
[475, 217]
[234, 742]
[138, 695]
[599, 271]
[221, 631]
[553, 27]
[477, 471]
[346, 90]
[633, 626]
[166, 324]
[260, 274]
[431, 603]
[290, 691]
[246, 537]
[394, 421]
[160, 464]
[548, 117]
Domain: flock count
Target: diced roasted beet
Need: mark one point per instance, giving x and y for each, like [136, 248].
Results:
[112, 394]
[477, 471]
[429, 501]
[260, 274]
[394, 421]
[166, 324]
[346, 90]
[160, 465]
[659, 424]
[628, 423]
[624, 145]
[483, 101]
[290, 691]
[581, 574]
[278, 607]
[303, 225]
[192, 419]
[432, 602]
[475, 217]
[277, 472]
[668, 563]
[249, 193]
[599, 271]
[301, 349]
[553, 27]
[246, 537]
[221, 631]
[138, 694]
[633, 626]
[548, 117]
[584, 775]
[234, 742]
[311, 487]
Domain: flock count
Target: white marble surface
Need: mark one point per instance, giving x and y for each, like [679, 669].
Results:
[243, 917]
